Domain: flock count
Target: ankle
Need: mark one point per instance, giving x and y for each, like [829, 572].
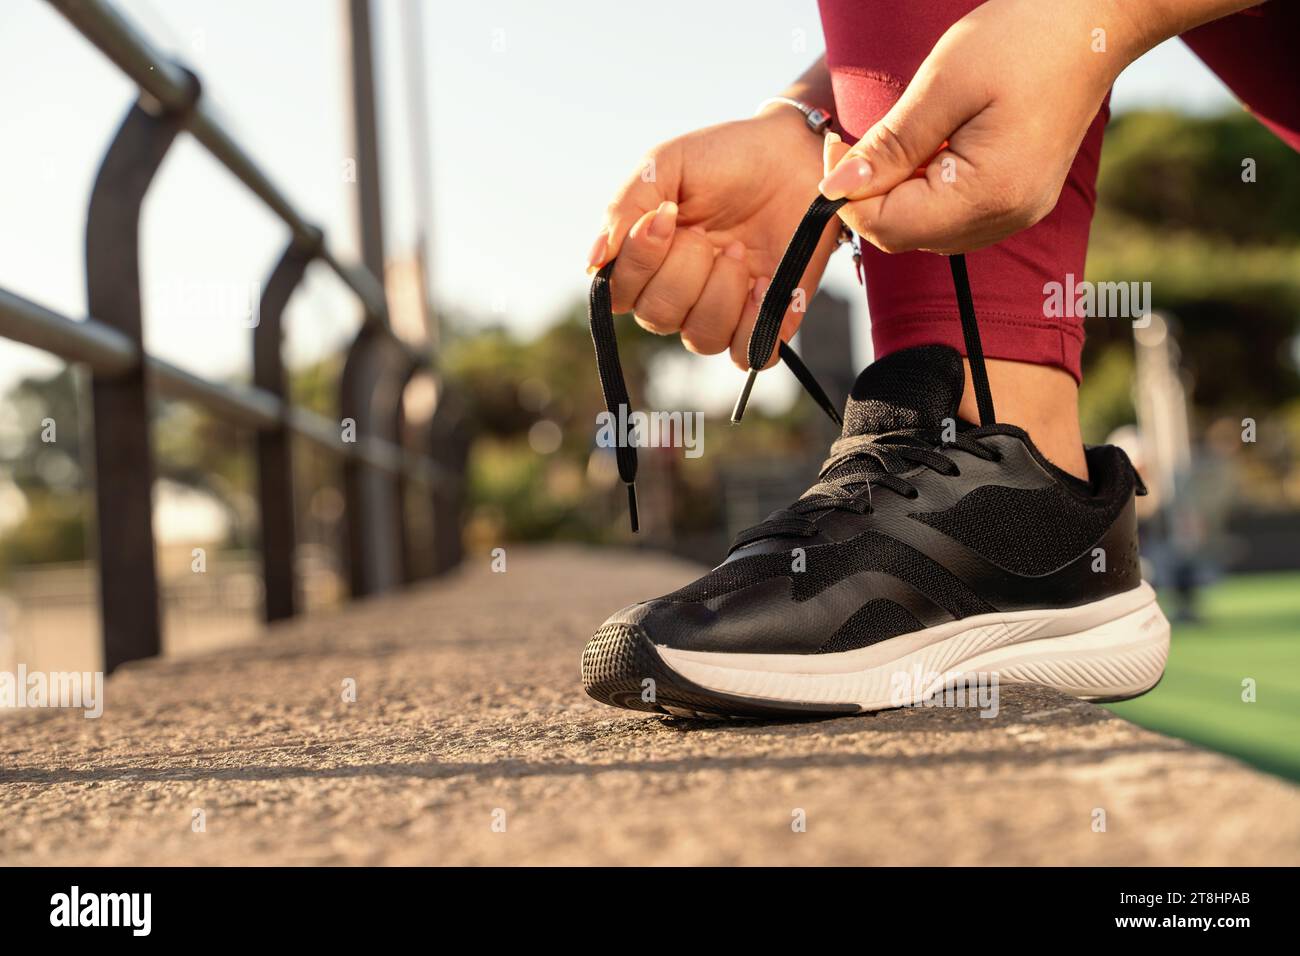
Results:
[1041, 399]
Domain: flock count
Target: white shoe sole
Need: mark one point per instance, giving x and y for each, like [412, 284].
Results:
[1110, 649]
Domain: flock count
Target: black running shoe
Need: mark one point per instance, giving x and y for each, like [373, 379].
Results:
[930, 552]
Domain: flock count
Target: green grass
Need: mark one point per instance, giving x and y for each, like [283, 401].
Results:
[1250, 628]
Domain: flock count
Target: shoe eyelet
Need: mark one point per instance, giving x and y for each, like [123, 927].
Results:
[955, 473]
[913, 494]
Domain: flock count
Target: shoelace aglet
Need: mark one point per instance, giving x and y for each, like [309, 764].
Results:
[738, 412]
[631, 507]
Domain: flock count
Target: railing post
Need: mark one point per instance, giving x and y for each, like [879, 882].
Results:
[368, 391]
[365, 126]
[274, 455]
[405, 541]
[373, 372]
[128, 578]
[449, 441]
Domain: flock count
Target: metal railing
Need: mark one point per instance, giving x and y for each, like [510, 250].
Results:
[378, 471]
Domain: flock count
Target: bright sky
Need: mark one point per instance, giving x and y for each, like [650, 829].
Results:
[538, 111]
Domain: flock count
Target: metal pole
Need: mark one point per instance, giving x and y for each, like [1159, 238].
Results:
[370, 200]
[274, 457]
[128, 578]
[372, 374]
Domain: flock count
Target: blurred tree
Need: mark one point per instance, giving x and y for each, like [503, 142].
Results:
[1189, 173]
[192, 448]
[42, 440]
[1219, 242]
[40, 453]
[525, 483]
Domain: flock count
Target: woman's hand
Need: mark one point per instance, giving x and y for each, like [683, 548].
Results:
[698, 229]
[994, 117]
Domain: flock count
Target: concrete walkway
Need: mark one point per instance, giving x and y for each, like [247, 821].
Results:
[469, 714]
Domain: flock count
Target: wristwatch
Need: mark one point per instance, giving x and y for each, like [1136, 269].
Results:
[818, 119]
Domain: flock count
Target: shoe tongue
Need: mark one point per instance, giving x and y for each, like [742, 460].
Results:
[915, 388]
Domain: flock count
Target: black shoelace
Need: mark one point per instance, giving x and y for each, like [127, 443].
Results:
[766, 336]
[856, 463]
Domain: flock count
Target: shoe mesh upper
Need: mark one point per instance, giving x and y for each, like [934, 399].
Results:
[826, 564]
[1029, 531]
[872, 623]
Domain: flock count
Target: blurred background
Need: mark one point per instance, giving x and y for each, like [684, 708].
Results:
[504, 127]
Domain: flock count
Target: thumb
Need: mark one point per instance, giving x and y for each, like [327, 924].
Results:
[904, 139]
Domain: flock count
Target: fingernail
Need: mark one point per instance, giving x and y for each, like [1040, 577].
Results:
[760, 289]
[664, 221]
[848, 177]
[596, 258]
[829, 142]
[735, 251]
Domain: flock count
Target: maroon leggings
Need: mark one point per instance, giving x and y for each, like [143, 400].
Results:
[873, 47]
